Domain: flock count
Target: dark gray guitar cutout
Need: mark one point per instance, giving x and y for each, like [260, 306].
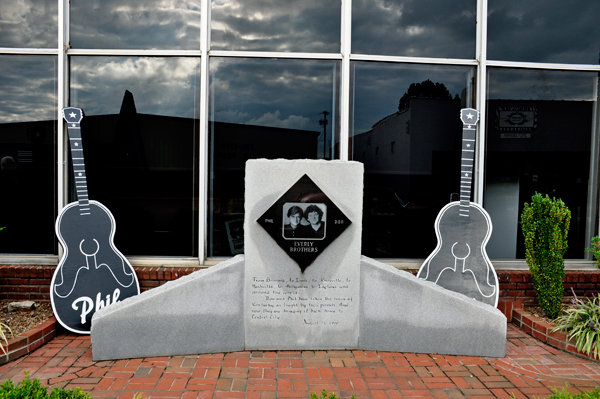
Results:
[92, 273]
[304, 221]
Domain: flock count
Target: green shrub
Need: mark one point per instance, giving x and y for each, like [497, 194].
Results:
[582, 323]
[564, 394]
[325, 395]
[28, 389]
[545, 224]
[595, 249]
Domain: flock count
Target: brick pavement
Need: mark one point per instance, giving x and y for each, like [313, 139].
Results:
[528, 370]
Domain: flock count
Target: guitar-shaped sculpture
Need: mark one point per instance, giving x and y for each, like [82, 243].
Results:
[92, 273]
[463, 228]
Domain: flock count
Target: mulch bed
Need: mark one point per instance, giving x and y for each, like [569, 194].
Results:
[539, 313]
[23, 320]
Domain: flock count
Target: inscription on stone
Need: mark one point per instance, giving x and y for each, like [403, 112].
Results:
[276, 299]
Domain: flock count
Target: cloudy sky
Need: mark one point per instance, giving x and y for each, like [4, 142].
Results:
[287, 93]
[148, 24]
[418, 28]
[544, 31]
[27, 88]
[276, 25]
[540, 31]
[379, 86]
[160, 85]
[29, 23]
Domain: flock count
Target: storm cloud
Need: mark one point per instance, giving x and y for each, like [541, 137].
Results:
[28, 85]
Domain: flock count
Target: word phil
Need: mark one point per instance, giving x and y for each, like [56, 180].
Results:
[87, 304]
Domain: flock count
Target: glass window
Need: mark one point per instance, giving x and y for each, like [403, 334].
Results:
[414, 28]
[135, 24]
[27, 154]
[140, 138]
[539, 134]
[29, 23]
[263, 109]
[407, 132]
[544, 31]
[276, 25]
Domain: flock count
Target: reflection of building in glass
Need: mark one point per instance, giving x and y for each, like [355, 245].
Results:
[531, 147]
[27, 191]
[536, 146]
[231, 146]
[412, 165]
[263, 87]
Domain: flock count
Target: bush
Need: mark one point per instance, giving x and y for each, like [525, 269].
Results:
[582, 323]
[545, 224]
[564, 394]
[595, 249]
[28, 389]
[325, 395]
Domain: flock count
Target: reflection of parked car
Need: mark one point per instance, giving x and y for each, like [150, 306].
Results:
[393, 227]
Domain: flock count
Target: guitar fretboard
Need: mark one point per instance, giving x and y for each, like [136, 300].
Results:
[469, 118]
[73, 117]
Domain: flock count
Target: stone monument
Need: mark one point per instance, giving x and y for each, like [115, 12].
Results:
[302, 285]
[302, 291]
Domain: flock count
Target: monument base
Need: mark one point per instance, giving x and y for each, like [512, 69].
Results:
[204, 313]
[401, 313]
[199, 313]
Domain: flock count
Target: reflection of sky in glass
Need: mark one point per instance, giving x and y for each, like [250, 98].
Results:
[29, 23]
[541, 84]
[276, 25]
[378, 87]
[27, 88]
[544, 31]
[289, 94]
[160, 86]
[415, 28]
[135, 24]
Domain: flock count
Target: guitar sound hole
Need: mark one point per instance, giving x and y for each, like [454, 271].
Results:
[89, 247]
[460, 250]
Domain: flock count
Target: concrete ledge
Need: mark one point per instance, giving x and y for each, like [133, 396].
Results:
[401, 313]
[199, 313]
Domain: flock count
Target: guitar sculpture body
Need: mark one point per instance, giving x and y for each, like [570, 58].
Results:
[92, 273]
[459, 262]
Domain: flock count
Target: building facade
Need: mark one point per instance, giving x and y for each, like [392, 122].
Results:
[178, 94]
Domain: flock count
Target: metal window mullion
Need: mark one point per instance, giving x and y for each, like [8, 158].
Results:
[135, 52]
[25, 51]
[412, 60]
[274, 54]
[62, 177]
[203, 134]
[539, 65]
[345, 44]
[592, 199]
[480, 99]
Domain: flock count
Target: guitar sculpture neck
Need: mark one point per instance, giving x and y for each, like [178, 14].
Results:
[469, 118]
[73, 117]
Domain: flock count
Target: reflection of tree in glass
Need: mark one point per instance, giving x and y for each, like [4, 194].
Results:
[544, 88]
[425, 89]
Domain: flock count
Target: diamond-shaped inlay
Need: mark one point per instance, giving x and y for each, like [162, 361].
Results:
[304, 221]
